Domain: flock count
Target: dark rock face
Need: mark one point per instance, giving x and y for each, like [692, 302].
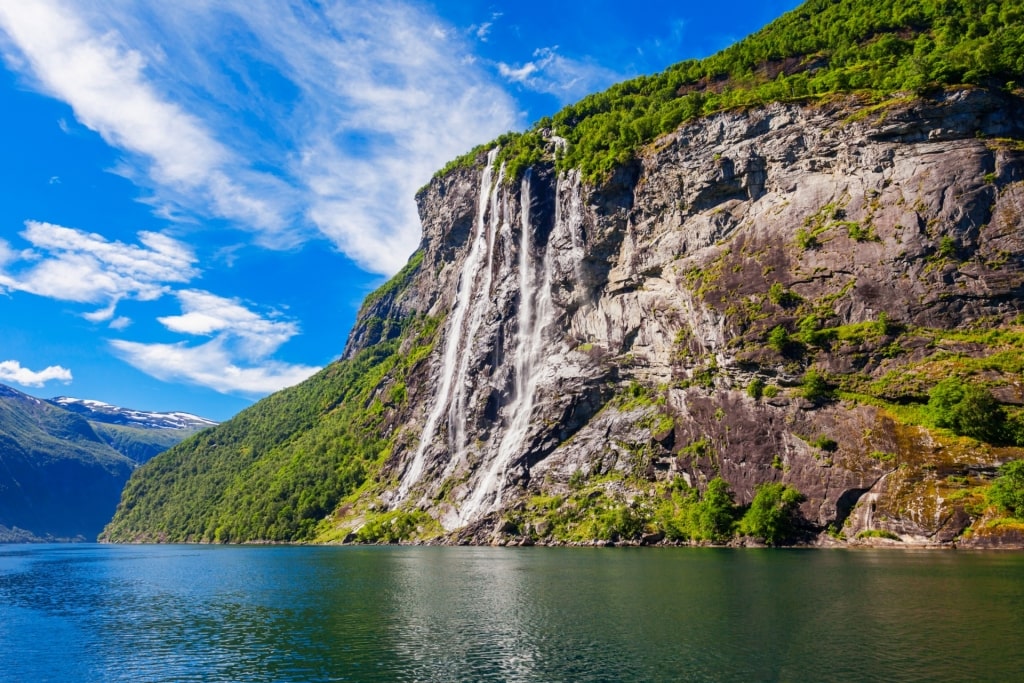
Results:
[558, 299]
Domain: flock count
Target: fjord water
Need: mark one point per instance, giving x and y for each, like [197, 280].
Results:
[185, 613]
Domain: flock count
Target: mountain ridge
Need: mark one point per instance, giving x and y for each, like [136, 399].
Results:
[98, 411]
[63, 470]
[745, 326]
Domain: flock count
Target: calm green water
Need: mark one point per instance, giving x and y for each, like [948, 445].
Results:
[183, 613]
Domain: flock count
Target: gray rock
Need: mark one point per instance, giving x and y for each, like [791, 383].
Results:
[661, 278]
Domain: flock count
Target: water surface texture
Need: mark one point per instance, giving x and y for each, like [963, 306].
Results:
[185, 613]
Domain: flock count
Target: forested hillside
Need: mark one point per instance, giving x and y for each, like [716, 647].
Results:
[821, 49]
[775, 294]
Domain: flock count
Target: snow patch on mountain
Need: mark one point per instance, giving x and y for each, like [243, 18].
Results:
[111, 414]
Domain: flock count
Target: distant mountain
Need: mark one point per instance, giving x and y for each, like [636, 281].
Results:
[64, 462]
[98, 411]
[138, 434]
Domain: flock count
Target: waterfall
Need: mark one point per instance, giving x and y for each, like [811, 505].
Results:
[456, 339]
[574, 221]
[481, 304]
[535, 308]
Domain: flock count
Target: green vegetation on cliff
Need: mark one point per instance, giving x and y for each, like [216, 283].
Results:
[310, 462]
[821, 48]
[1007, 491]
[279, 468]
[670, 510]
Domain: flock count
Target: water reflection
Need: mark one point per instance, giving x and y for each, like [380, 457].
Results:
[462, 614]
[91, 613]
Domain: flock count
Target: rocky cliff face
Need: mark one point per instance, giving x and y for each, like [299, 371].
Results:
[840, 258]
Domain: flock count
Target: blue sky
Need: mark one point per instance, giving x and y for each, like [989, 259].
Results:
[195, 197]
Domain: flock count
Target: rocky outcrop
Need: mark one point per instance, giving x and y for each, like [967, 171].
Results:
[612, 333]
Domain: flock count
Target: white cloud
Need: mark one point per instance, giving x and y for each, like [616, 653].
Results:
[400, 102]
[6, 254]
[206, 314]
[104, 82]
[566, 78]
[210, 365]
[73, 265]
[11, 371]
[352, 104]
[120, 323]
[483, 30]
[236, 359]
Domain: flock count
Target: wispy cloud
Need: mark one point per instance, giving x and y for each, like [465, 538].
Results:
[482, 31]
[73, 265]
[104, 82]
[353, 105]
[236, 359]
[566, 78]
[210, 365]
[402, 101]
[205, 314]
[12, 371]
[120, 323]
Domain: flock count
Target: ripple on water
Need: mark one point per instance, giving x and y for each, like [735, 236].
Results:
[91, 613]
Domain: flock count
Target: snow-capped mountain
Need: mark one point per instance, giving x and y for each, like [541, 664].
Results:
[65, 461]
[99, 411]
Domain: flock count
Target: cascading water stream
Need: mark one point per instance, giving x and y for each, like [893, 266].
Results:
[535, 307]
[573, 221]
[456, 340]
[481, 304]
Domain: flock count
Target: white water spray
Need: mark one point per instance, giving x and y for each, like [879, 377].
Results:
[452, 368]
[535, 308]
[481, 304]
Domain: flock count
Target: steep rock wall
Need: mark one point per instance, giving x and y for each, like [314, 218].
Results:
[609, 333]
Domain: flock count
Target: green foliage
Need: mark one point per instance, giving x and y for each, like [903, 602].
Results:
[771, 515]
[689, 516]
[966, 409]
[822, 48]
[825, 443]
[519, 153]
[947, 247]
[279, 468]
[396, 526]
[779, 339]
[1007, 491]
[884, 325]
[715, 514]
[636, 395]
[810, 331]
[756, 388]
[806, 240]
[137, 443]
[781, 296]
[878, 533]
[814, 387]
[857, 232]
